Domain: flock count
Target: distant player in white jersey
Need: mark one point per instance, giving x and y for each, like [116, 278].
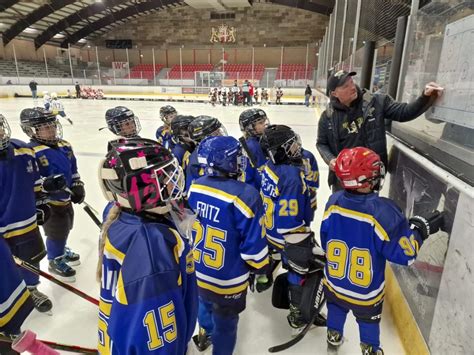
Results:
[57, 107]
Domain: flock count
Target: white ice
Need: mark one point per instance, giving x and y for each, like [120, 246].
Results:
[74, 320]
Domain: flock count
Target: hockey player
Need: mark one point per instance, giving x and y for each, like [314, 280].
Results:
[279, 95]
[163, 135]
[229, 242]
[252, 124]
[57, 107]
[311, 172]
[213, 95]
[46, 101]
[20, 216]
[359, 232]
[200, 128]
[148, 296]
[122, 122]
[264, 97]
[184, 145]
[288, 212]
[55, 156]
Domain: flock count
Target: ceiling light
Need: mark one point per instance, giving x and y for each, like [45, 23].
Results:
[30, 30]
[58, 35]
[82, 40]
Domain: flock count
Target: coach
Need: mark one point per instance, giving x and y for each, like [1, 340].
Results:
[355, 117]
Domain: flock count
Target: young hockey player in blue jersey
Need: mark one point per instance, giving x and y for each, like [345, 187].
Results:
[122, 122]
[148, 296]
[360, 232]
[288, 217]
[252, 124]
[184, 145]
[200, 128]
[311, 174]
[22, 210]
[55, 156]
[229, 242]
[163, 134]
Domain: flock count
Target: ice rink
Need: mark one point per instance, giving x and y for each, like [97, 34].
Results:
[74, 320]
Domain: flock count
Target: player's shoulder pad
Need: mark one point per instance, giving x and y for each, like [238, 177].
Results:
[387, 213]
[17, 143]
[64, 143]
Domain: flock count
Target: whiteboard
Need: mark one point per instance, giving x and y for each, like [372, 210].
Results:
[456, 74]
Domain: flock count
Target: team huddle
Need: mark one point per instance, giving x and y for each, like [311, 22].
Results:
[194, 220]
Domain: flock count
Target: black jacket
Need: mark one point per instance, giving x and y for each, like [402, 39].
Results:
[308, 91]
[375, 109]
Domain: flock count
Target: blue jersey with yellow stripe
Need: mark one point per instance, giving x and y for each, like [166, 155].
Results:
[229, 235]
[148, 296]
[58, 159]
[19, 180]
[359, 233]
[164, 137]
[287, 201]
[15, 301]
[181, 152]
[311, 173]
[193, 170]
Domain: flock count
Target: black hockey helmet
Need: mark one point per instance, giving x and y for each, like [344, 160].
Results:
[248, 118]
[41, 125]
[179, 128]
[204, 126]
[5, 133]
[122, 122]
[140, 174]
[167, 114]
[281, 144]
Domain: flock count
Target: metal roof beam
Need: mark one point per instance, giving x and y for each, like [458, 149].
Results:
[5, 4]
[308, 5]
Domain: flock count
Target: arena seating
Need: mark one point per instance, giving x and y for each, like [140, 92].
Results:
[32, 69]
[294, 71]
[244, 71]
[144, 71]
[188, 70]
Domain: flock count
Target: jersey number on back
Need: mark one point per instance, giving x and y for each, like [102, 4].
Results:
[354, 264]
[167, 321]
[212, 252]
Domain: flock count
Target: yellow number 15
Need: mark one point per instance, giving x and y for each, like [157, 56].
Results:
[167, 320]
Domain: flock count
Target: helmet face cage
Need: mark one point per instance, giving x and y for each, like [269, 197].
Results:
[206, 127]
[127, 127]
[251, 128]
[289, 150]
[47, 132]
[170, 181]
[250, 118]
[5, 133]
[168, 114]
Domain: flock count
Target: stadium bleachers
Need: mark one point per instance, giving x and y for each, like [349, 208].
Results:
[33, 69]
[144, 71]
[244, 71]
[188, 70]
[294, 71]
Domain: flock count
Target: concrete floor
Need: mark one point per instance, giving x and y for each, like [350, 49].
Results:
[74, 320]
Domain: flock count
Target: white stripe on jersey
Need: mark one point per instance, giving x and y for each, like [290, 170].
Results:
[16, 225]
[9, 302]
[231, 282]
[261, 255]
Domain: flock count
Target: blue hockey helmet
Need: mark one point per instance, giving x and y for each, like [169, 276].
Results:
[5, 133]
[123, 122]
[221, 155]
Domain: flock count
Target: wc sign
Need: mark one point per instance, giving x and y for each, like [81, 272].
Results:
[119, 65]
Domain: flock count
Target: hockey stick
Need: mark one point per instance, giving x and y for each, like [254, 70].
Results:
[92, 213]
[57, 346]
[51, 278]
[296, 339]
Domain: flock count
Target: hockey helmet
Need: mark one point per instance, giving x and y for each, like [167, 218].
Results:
[123, 122]
[179, 128]
[360, 167]
[205, 126]
[221, 156]
[54, 95]
[282, 145]
[5, 133]
[249, 118]
[41, 125]
[140, 174]
[167, 114]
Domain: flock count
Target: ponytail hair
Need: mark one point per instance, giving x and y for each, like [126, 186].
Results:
[112, 216]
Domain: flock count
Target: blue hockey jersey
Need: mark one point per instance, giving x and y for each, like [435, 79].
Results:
[193, 170]
[251, 172]
[148, 297]
[15, 301]
[311, 173]
[164, 137]
[287, 201]
[359, 233]
[229, 235]
[58, 159]
[182, 154]
[19, 180]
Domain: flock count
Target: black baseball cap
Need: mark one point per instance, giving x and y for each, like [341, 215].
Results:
[338, 78]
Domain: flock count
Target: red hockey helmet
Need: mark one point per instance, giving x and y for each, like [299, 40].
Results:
[359, 167]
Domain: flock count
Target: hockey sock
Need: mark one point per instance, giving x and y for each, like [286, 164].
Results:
[55, 247]
[336, 317]
[31, 279]
[225, 334]
[369, 333]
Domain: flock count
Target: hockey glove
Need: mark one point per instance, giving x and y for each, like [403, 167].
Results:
[260, 282]
[54, 183]
[299, 251]
[427, 225]
[43, 212]
[78, 192]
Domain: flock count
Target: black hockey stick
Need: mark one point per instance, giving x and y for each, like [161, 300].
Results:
[296, 339]
[51, 278]
[57, 346]
[244, 144]
[92, 213]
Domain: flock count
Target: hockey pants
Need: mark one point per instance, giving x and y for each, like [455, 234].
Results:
[221, 323]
